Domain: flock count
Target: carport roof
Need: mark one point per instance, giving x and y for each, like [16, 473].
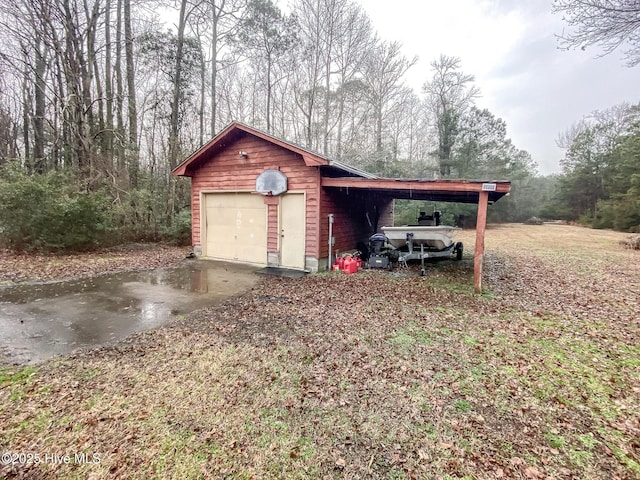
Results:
[463, 191]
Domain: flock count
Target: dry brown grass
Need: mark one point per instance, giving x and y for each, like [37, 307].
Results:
[374, 375]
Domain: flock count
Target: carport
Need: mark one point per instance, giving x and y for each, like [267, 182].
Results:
[483, 193]
[259, 199]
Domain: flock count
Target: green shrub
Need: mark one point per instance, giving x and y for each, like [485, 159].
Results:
[179, 232]
[48, 212]
[622, 212]
[137, 215]
[586, 219]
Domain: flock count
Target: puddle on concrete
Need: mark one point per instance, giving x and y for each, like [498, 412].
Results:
[38, 322]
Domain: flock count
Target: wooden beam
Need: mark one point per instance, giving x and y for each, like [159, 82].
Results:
[418, 185]
[478, 256]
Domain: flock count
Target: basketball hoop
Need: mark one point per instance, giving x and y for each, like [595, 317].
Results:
[271, 182]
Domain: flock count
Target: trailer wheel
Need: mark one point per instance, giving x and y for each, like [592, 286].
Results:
[459, 250]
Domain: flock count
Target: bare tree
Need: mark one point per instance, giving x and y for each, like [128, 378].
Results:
[312, 53]
[607, 23]
[224, 17]
[356, 37]
[269, 35]
[119, 96]
[40, 99]
[108, 85]
[177, 87]
[450, 92]
[132, 110]
[384, 69]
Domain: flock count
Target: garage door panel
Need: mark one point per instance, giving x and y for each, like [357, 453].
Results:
[236, 227]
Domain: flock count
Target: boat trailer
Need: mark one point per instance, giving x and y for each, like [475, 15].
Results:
[426, 240]
[453, 250]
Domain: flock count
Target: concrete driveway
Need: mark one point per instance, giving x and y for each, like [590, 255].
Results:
[40, 321]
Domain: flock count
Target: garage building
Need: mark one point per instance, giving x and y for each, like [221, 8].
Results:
[258, 199]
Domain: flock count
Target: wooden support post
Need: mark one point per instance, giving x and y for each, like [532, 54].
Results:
[478, 256]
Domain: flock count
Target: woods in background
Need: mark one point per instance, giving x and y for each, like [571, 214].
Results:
[113, 94]
[600, 185]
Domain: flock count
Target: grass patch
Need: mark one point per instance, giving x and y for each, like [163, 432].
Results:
[463, 405]
[10, 376]
[409, 337]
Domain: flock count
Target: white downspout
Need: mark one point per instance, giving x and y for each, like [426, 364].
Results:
[330, 259]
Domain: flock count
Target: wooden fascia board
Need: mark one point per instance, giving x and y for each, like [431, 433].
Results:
[430, 186]
[313, 161]
[181, 169]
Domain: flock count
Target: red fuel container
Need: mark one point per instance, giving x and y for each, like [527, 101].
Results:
[350, 265]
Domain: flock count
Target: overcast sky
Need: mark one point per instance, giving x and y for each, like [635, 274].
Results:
[511, 49]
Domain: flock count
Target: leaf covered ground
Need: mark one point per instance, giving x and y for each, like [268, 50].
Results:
[372, 375]
[29, 267]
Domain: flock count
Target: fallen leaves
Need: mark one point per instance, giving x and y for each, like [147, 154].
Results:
[373, 375]
[22, 267]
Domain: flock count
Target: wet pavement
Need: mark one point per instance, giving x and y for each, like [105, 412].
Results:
[40, 321]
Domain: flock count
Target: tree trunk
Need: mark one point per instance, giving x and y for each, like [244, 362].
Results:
[378, 113]
[327, 94]
[268, 93]
[203, 67]
[214, 66]
[108, 134]
[119, 136]
[94, 72]
[38, 118]
[65, 156]
[78, 91]
[330, 33]
[338, 152]
[132, 149]
[177, 88]
[26, 108]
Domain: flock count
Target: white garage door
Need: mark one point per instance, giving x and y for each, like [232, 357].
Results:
[235, 227]
[292, 230]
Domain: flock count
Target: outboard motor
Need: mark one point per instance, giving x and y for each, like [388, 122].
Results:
[379, 251]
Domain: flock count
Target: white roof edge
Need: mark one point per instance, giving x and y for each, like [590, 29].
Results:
[350, 169]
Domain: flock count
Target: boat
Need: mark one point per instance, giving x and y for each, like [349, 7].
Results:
[427, 239]
[434, 238]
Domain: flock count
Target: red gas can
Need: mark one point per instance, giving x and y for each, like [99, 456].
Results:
[346, 262]
[353, 266]
[350, 265]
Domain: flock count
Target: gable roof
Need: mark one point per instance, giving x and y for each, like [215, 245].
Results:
[235, 130]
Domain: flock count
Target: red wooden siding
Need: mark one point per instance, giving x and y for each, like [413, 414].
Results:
[227, 171]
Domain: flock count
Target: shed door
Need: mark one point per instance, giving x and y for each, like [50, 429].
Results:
[236, 227]
[292, 230]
